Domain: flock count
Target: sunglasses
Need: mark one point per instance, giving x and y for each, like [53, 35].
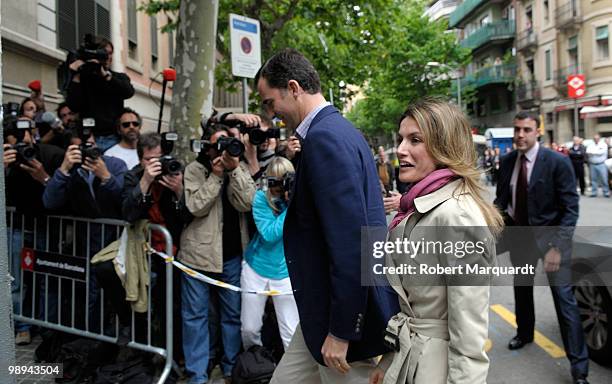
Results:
[126, 124]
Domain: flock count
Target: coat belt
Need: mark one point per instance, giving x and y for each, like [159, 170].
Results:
[398, 336]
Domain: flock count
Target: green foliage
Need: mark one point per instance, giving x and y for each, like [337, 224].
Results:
[381, 46]
[168, 7]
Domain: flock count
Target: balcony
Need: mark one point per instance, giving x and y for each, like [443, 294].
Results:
[441, 8]
[499, 30]
[527, 40]
[561, 77]
[495, 74]
[528, 93]
[463, 10]
[568, 14]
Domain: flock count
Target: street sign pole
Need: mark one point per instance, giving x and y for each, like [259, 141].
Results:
[575, 117]
[245, 51]
[245, 96]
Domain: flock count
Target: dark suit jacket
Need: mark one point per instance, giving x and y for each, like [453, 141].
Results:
[336, 193]
[553, 200]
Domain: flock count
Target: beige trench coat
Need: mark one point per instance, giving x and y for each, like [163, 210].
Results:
[444, 327]
[201, 240]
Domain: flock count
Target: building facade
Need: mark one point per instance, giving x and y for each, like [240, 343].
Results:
[440, 9]
[37, 35]
[488, 29]
[556, 39]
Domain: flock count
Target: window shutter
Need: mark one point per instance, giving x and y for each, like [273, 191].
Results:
[601, 33]
[66, 28]
[132, 27]
[153, 24]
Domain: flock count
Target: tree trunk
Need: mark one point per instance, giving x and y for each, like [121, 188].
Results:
[192, 95]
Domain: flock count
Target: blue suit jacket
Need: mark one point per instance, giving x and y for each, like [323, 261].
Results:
[553, 200]
[336, 193]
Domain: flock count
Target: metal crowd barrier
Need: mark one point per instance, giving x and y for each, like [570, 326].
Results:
[58, 249]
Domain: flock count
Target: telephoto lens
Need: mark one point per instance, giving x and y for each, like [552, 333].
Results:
[170, 166]
[88, 150]
[233, 146]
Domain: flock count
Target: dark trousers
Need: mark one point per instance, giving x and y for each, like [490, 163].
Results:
[579, 172]
[566, 307]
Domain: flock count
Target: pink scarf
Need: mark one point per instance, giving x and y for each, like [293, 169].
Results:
[431, 183]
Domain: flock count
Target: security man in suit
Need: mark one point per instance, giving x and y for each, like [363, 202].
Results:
[336, 193]
[537, 189]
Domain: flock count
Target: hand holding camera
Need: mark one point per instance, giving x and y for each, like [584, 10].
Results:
[173, 182]
[293, 147]
[72, 157]
[229, 162]
[97, 167]
[10, 155]
[36, 170]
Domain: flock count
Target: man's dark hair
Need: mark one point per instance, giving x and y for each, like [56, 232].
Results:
[23, 103]
[61, 106]
[523, 115]
[147, 141]
[102, 42]
[210, 130]
[123, 112]
[290, 64]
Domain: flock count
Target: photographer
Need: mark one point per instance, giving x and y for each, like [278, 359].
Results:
[98, 92]
[57, 130]
[87, 184]
[218, 191]
[265, 266]
[26, 177]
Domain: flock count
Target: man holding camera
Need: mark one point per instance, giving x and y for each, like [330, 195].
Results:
[128, 128]
[87, 184]
[218, 192]
[98, 92]
[27, 166]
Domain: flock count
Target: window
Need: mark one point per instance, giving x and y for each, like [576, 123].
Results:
[529, 19]
[549, 117]
[485, 20]
[132, 29]
[154, 53]
[546, 11]
[548, 59]
[170, 48]
[603, 43]
[77, 18]
[572, 50]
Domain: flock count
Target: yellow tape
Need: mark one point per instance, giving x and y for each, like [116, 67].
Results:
[541, 341]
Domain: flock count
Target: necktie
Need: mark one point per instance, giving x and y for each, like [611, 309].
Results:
[521, 195]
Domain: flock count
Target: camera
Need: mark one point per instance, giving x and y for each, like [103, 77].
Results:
[170, 166]
[25, 152]
[88, 51]
[88, 149]
[286, 182]
[257, 135]
[233, 146]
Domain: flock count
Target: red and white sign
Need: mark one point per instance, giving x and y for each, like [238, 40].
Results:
[576, 86]
[27, 259]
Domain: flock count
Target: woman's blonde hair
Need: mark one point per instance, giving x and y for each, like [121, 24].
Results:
[278, 167]
[448, 139]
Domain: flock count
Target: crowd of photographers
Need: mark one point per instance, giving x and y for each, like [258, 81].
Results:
[224, 211]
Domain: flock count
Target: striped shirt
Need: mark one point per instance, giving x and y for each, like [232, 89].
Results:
[302, 129]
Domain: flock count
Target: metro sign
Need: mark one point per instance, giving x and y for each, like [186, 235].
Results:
[576, 86]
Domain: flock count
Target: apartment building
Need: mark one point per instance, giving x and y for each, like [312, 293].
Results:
[438, 9]
[488, 29]
[36, 36]
[558, 38]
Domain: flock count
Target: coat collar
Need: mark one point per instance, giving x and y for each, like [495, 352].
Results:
[428, 202]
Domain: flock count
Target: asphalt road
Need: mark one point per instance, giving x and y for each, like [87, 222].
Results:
[540, 363]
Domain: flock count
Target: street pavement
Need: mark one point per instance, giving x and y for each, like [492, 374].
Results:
[535, 364]
[544, 363]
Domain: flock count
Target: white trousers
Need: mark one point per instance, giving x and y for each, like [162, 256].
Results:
[253, 307]
[298, 366]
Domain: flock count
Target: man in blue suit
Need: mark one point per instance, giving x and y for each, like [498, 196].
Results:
[336, 193]
[537, 189]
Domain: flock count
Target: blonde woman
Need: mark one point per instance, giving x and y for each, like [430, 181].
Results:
[441, 330]
[264, 266]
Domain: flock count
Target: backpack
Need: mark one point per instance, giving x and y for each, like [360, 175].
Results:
[136, 371]
[254, 366]
[79, 358]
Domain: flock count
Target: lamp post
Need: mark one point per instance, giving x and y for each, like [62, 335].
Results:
[457, 77]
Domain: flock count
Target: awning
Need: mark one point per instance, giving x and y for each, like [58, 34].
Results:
[568, 104]
[594, 112]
